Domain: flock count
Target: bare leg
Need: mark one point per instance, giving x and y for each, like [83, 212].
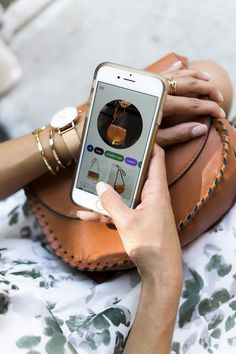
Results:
[220, 78]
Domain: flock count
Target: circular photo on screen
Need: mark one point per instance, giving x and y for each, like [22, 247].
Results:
[120, 124]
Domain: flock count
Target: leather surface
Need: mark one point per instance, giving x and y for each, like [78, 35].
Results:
[191, 170]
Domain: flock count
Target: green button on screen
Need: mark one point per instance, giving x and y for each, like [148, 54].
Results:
[114, 156]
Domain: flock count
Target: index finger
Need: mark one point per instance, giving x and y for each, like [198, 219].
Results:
[157, 167]
[156, 182]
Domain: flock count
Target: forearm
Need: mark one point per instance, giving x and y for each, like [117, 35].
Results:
[21, 161]
[154, 322]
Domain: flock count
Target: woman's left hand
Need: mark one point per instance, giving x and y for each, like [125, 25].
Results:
[192, 87]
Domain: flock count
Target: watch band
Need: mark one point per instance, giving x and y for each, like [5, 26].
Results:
[71, 139]
[54, 152]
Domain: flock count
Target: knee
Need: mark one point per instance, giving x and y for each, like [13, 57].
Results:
[220, 78]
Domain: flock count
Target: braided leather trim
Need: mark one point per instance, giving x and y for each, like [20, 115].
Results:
[219, 125]
[58, 248]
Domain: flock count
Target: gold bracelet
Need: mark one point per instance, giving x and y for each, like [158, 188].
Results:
[55, 154]
[40, 148]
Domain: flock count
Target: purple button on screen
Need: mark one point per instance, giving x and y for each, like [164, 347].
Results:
[98, 150]
[131, 161]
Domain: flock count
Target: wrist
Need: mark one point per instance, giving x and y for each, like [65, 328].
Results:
[161, 268]
[162, 286]
[60, 145]
[65, 133]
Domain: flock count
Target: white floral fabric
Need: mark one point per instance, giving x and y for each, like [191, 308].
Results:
[48, 307]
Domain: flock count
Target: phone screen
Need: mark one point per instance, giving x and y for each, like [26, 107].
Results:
[119, 128]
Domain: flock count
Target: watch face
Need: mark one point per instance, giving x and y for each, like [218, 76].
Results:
[64, 117]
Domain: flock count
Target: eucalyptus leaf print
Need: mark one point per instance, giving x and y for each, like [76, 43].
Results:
[25, 232]
[191, 293]
[210, 304]
[4, 302]
[215, 321]
[120, 343]
[95, 328]
[118, 315]
[52, 308]
[56, 345]
[14, 216]
[217, 262]
[28, 342]
[176, 347]
[27, 211]
[233, 305]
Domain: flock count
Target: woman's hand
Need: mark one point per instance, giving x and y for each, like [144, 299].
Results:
[148, 232]
[192, 87]
[151, 240]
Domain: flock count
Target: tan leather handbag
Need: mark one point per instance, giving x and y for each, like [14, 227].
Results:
[116, 135]
[204, 167]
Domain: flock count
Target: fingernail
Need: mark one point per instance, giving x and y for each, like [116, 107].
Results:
[101, 188]
[78, 214]
[177, 65]
[199, 130]
[222, 113]
[207, 76]
[220, 96]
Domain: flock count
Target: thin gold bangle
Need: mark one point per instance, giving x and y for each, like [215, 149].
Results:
[55, 154]
[40, 148]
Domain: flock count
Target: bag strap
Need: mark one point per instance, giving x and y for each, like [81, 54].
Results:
[223, 132]
[118, 111]
[95, 160]
[122, 173]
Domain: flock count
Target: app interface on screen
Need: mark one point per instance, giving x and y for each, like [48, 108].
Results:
[119, 128]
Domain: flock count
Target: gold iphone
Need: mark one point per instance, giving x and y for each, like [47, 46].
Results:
[124, 113]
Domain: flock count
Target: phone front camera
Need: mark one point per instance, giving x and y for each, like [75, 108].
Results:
[118, 77]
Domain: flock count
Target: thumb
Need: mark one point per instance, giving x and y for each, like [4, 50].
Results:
[112, 202]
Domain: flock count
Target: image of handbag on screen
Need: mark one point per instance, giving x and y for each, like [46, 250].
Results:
[119, 184]
[115, 133]
[120, 124]
[93, 172]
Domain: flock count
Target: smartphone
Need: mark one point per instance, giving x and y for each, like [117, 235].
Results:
[124, 113]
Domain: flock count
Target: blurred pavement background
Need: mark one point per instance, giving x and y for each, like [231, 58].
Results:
[59, 50]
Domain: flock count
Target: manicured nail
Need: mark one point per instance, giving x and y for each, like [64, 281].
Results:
[101, 188]
[79, 213]
[207, 76]
[222, 113]
[199, 130]
[177, 65]
[220, 96]
[86, 215]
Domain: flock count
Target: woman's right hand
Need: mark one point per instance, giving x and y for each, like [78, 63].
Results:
[148, 232]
